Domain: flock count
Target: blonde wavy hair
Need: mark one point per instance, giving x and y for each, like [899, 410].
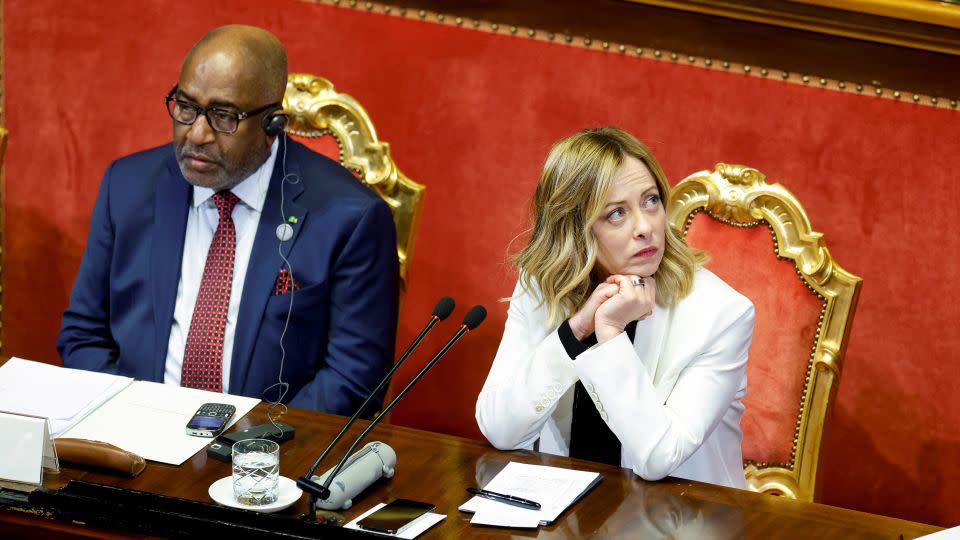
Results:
[561, 256]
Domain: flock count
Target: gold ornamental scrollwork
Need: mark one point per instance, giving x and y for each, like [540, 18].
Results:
[316, 109]
[741, 197]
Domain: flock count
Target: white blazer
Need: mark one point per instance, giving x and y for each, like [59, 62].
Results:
[673, 397]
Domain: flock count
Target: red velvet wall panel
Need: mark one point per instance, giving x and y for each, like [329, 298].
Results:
[471, 115]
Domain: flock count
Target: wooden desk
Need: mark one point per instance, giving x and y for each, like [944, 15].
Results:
[438, 468]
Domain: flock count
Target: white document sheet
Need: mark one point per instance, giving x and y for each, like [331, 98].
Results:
[63, 396]
[554, 488]
[416, 528]
[946, 534]
[150, 419]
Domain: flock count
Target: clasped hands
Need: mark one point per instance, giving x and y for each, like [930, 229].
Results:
[612, 305]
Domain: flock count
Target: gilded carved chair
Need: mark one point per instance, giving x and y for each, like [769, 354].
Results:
[336, 125]
[760, 241]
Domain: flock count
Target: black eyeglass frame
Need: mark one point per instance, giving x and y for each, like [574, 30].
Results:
[172, 97]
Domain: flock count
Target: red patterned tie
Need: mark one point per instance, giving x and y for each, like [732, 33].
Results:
[203, 354]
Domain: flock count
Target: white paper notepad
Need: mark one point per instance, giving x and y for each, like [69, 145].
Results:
[554, 488]
[150, 419]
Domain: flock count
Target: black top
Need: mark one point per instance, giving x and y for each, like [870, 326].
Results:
[590, 437]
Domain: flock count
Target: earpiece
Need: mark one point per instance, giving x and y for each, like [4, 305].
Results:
[274, 122]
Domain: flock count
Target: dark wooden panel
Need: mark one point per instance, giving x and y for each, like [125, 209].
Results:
[721, 38]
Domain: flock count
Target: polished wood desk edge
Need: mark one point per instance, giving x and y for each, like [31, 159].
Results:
[466, 458]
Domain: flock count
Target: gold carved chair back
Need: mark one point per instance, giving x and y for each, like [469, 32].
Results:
[760, 241]
[317, 110]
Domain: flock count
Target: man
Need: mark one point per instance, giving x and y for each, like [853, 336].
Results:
[205, 256]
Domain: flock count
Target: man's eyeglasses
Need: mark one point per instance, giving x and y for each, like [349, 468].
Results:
[222, 120]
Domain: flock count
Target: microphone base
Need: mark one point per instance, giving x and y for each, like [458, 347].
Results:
[374, 461]
[315, 490]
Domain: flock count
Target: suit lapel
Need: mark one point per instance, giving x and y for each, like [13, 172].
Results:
[264, 263]
[171, 205]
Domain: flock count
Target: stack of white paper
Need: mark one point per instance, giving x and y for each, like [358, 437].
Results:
[63, 396]
[553, 487]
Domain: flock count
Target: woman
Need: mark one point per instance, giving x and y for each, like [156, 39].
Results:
[618, 346]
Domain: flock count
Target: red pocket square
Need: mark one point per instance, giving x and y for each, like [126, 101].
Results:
[285, 283]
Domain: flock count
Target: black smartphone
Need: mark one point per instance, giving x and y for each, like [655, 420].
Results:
[395, 516]
[210, 419]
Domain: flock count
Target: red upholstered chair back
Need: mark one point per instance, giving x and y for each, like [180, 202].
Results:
[760, 241]
[335, 125]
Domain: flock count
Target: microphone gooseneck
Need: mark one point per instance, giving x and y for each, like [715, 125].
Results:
[473, 319]
[442, 310]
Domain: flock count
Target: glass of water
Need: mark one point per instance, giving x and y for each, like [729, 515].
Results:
[256, 471]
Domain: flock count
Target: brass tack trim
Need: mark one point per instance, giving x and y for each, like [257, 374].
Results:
[588, 42]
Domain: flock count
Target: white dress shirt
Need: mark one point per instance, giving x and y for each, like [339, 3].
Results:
[202, 222]
[673, 396]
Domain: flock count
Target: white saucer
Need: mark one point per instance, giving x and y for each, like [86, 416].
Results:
[222, 492]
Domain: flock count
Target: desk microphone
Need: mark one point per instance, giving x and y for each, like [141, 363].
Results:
[376, 459]
[442, 310]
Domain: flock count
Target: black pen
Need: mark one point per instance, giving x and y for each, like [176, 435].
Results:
[507, 499]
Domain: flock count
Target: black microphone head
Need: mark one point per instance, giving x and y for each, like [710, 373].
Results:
[474, 317]
[444, 308]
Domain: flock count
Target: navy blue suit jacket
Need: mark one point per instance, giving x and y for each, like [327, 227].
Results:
[343, 255]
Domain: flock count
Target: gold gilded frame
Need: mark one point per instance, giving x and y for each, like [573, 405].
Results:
[740, 196]
[316, 109]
